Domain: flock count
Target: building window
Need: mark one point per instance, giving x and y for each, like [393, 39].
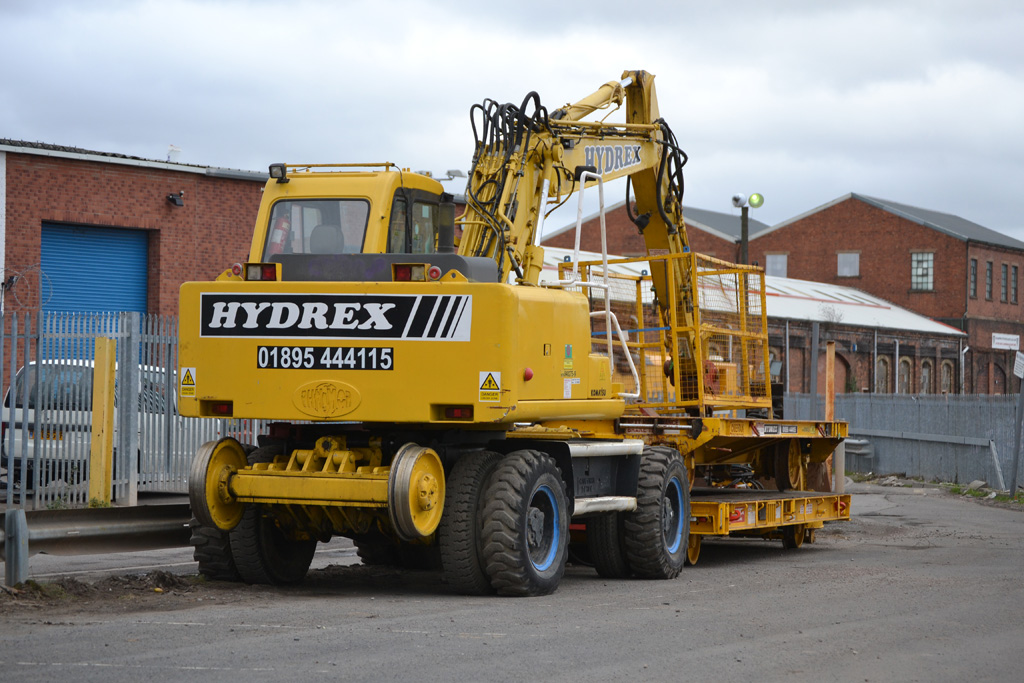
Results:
[1004, 283]
[882, 376]
[904, 377]
[1013, 284]
[974, 278]
[926, 377]
[921, 271]
[849, 264]
[988, 281]
[775, 264]
[947, 377]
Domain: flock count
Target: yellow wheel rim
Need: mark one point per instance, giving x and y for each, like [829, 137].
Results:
[693, 549]
[209, 480]
[415, 492]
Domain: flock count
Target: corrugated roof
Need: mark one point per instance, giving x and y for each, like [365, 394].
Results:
[955, 226]
[789, 299]
[726, 225]
[946, 223]
[63, 151]
[722, 225]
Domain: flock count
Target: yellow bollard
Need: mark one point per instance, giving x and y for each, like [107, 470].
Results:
[101, 456]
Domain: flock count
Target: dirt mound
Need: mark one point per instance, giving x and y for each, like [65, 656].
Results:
[131, 591]
[157, 581]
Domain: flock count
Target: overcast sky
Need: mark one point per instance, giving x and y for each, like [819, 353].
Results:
[919, 102]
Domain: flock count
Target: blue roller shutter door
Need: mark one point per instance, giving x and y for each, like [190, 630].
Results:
[89, 269]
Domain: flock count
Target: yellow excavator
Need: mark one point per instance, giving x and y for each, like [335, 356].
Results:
[443, 407]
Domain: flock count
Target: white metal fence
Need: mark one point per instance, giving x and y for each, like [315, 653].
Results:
[46, 372]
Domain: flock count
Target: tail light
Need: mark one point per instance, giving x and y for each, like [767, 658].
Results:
[265, 272]
[458, 412]
[408, 272]
[216, 408]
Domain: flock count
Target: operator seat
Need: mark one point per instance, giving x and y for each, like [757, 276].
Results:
[327, 239]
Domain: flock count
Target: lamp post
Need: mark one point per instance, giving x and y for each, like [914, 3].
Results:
[744, 203]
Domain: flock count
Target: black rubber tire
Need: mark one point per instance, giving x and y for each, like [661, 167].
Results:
[212, 550]
[263, 553]
[606, 546]
[793, 536]
[376, 550]
[459, 535]
[418, 557]
[526, 525]
[657, 532]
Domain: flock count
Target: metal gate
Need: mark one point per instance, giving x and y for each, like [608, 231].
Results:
[46, 369]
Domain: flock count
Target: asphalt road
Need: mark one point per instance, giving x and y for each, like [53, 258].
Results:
[918, 586]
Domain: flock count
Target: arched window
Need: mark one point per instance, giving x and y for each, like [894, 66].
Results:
[947, 377]
[882, 375]
[906, 386]
[926, 377]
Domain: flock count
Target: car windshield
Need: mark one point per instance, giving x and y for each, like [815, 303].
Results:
[60, 386]
[66, 386]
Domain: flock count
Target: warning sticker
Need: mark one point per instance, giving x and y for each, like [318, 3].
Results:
[490, 386]
[188, 382]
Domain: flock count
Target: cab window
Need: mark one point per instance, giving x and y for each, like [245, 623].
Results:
[316, 226]
[397, 230]
[415, 231]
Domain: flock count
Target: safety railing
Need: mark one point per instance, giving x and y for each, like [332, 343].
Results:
[711, 356]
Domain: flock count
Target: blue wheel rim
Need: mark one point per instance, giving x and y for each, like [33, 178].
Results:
[543, 540]
[672, 518]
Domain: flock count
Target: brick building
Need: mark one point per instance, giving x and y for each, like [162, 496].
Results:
[880, 347]
[79, 229]
[709, 232]
[936, 264]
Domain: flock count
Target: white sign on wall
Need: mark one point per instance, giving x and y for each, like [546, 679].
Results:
[1006, 341]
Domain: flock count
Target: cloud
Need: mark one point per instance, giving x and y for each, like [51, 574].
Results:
[917, 101]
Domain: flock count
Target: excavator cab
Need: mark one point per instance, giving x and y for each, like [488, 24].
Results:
[355, 223]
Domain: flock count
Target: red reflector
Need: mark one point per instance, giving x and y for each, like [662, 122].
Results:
[403, 273]
[434, 272]
[221, 408]
[458, 412]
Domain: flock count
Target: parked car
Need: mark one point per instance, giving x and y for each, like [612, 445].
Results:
[49, 408]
